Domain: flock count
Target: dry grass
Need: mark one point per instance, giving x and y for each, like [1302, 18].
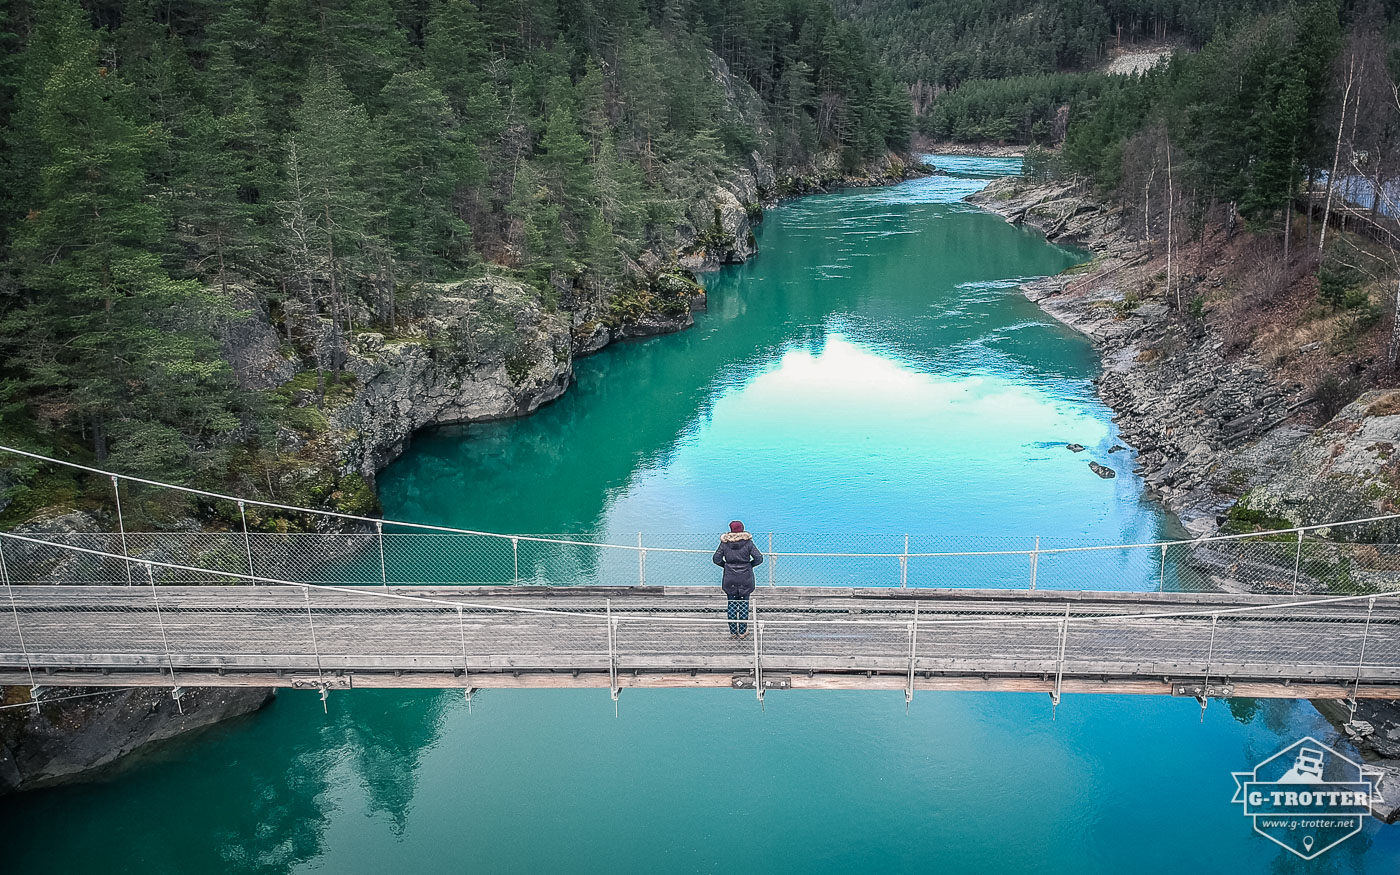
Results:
[1386, 405]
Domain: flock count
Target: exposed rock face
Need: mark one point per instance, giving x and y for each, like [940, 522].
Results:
[1209, 427]
[1348, 469]
[720, 231]
[1206, 426]
[65, 739]
[251, 345]
[486, 350]
[825, 171]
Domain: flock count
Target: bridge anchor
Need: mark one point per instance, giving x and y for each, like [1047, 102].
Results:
[1200, 692]
[746, 682]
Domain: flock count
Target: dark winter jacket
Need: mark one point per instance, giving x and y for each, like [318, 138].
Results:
[737, 556]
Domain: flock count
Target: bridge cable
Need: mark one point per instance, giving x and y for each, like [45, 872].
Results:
[1210, 657]
[1360, 662]
[175, 690]
[14, 609]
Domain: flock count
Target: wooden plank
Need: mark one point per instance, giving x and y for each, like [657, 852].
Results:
[825, 630]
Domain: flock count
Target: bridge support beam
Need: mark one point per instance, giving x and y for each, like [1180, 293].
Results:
[447, 680]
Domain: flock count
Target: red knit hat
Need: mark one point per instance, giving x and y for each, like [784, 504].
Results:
[736, 526]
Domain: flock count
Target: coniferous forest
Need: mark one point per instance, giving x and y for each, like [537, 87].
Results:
[1008, 70]
[170, 165]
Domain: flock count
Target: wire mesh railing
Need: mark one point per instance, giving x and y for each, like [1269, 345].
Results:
[185, 632]
[1356, 556]
[1261, 564]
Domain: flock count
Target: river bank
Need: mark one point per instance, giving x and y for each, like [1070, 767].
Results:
[483, 349]
[489, 348]
[929, 145]
[1210, 422]
[1226, 427]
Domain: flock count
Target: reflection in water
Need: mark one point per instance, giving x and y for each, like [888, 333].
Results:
[875, 370]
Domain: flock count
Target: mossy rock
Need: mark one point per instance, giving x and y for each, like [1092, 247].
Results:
[1243, 519]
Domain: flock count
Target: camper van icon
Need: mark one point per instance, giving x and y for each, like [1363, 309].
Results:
[1307, 768]
[1307, 798]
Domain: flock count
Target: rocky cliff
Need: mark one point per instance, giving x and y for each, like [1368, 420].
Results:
[42, 746]
[480, 349]
[485, 349]
[1208, 421]
[1224, 430]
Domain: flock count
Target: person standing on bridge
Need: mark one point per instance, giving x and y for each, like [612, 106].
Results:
[737, 555]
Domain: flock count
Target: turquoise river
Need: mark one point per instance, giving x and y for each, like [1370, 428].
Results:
[873, 370]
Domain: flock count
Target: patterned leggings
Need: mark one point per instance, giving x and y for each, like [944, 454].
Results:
[738, 610]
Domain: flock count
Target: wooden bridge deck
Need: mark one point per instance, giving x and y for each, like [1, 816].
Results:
[828, 638]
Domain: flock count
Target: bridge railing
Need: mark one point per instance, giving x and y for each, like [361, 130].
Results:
[148, 520]
[1257, 563]
[324, 632]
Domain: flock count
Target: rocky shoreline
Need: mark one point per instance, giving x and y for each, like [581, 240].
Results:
[1207, 426]
[485, 349]
[1220, 434]
[488, 349]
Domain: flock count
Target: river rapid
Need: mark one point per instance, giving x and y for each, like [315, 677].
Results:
[873, 372]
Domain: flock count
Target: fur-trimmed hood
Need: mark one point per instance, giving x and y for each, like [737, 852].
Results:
[734, 537]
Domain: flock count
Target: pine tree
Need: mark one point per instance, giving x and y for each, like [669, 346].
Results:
[336, 154]
[427, 162]
[106, 340]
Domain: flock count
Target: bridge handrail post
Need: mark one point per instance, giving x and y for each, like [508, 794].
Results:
[757, 652]
[466, 667]
[121, 526]
[383, 568]
[1162, 571]
[772, 560]
[913, 656]
[904, 565]
[1297, 562]
[612, 651]
[1060, 662]
[164, 639]
[315, 648]
[515, 554]
[641, 561]
[1035, 561]
[1361, 660]
[1210, 657]
[247, 544]
[19, 629]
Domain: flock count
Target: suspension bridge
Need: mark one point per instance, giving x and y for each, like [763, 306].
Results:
[367, 603]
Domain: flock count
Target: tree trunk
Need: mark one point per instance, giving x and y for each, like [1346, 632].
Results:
[99, 437]
[1307, 235]
[1287, 228]
[390, 303]
[1336, 159]
[337, 355]
[1146, 212]
[1392, 352]
[1171, 208]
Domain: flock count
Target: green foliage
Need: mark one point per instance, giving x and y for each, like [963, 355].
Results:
[354, 495]
[950, 42]
[101, 338]
[1023, 109]
[1339, 285]
[330, 162]
[1242, 519]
